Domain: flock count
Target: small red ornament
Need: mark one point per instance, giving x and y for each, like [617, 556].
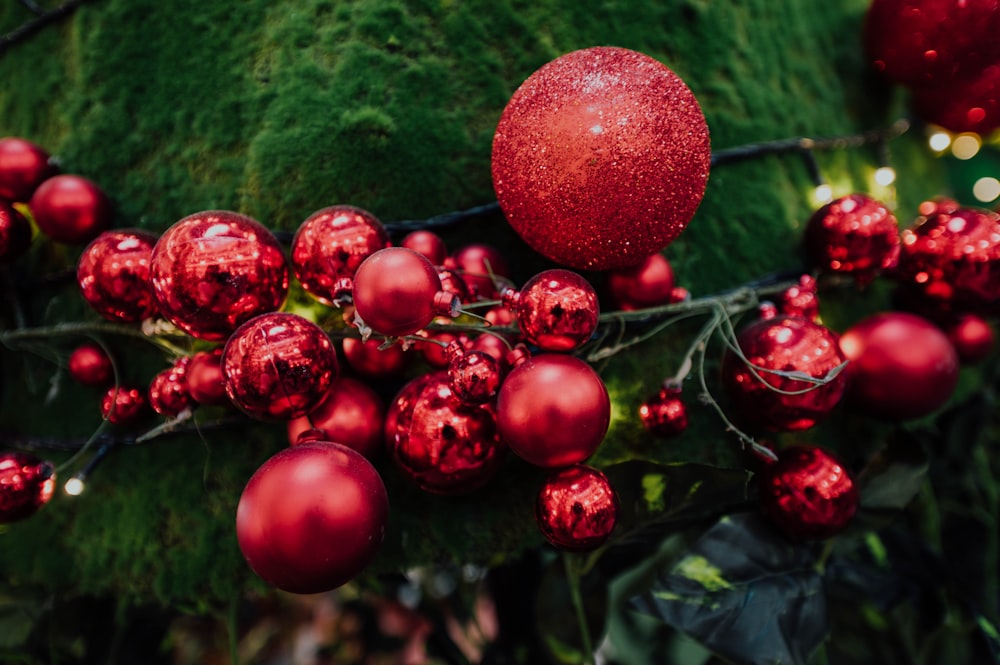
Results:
[23, 167]
[397, 292]
[438, 443]
[168, 391]
[495, 345]
[973, 338]
[801, 300]
[474, 376]
[15, 232]
[214, 270]
[553, 410]
[963, 106]
[479, 264]
[452, 282]
[124, 405]
[762, 398]
[665, 415]
[70, 209]
[556, 310]
[901, 366]
[601, 158]
[204, 378]
[278, 366]
[113, 274]
[427, 243]
[648, 284]
[312, 517]
[577, 509]
[369, 359]
[435, 349]
[91, 366]
[808, 493]
[854, 235]
[330, 245]
[351, 414]
[26, 484]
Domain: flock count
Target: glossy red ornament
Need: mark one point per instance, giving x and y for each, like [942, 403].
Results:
[23, 167]
[452, 282]
[204, 378]
[70, 209]
[763, 399]
[854, 235]
[15, 232]
[577, 508]
[479, 264]
[556, 310]
[428, 243]
[801, 299]
[312, 517]
[474, 376]
[91, 366]
[214, 270]
[278, 366]
[553, 410]
[440, 444]
[435, 349]
[808, 493]
[26, 484]
[497, 346]
[368, 358]
[963, 106]
[931, 42]
[124, 405]
[113, 274]
[973, 338]
[601, 158]
[665, 414]
[351, 414]
[330, 245]
[902, 366]
[168, 391]
[648, 284]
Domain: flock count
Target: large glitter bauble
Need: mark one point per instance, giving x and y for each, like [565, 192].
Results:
[15, 232]
[26, 484]
[351, 414]
[854, 235]
[70, 209]
[124, 405]
[204, 378]
[808, 493]
[556, 310]
[665, 414]
[553, 410]
[577, 508]
[931, 42]
[901, 367]
[760, 397]
[312, 517]
[649, 284]
[23, 167]
[963, 106]
[214, 270]
[90, 365]
[113, 274]
[952, 259]
[330, 245]
[278, 366]
[601, 158]
[397, 292]
[168, 391]
[440, 444]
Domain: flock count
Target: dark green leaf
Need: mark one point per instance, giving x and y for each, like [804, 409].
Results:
[890, 481]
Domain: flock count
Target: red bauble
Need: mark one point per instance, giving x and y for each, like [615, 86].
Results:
[901, 366]
[665, 414]
[26, 484]
[15, 232]
[801, 299]
[23, 167]
[648, 284]
[479, 264]
[494, 345]
[963, 106]
[90, 365]
[368, 358]
[113, 274]
[214, 270]
[350, 414]
[783, 344]
[312, 517]
[808, 493]
[553, 410]
[330, 245]
[854, 235]
[452, 282]
[70, 209]
[204, 378]
[973, 338]
[124, 405]
[168, 391]
[278, 366]
[474, 376]
[397, 292]
[601, 158]
[428, 243]
[932, 42]
[556, 310]
[577, 508]
[437, 442]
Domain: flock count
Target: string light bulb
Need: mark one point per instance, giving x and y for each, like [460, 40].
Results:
[885, 176]
[939, 141]
[74, 486]
[986, 189]
[966, 146]
[77, 484]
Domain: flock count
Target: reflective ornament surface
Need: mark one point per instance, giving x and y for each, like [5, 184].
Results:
[168, 391]
[350, 414]
[204, 378]
[556, 310]
[854, 235]
[113, 274]
[474, 376]
[90, 365]
[124, 405]
[648, 284]
[26, 484]
[23, 167]
[15, 232]
[577, 508]
[665, 414]
[70, 209]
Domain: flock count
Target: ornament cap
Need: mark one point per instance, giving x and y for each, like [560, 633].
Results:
[343, 289]
[447, 303]
[519, 355]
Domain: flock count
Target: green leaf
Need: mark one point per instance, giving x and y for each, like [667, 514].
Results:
[890, 480]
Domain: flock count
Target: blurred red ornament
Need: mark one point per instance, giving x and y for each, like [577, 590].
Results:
[808, 493]
[577, 508]
[495, 345]
[350, 414]
[901, 366]
[278, 366]
[973, 338]
[553, 410]
[931, 42]
[435, 349]
[601, 158]
[312, 517]
[479, 264]
[854, 235]
[452, 282]
[427, 243]
[801, 299]
[26, 484]
[648, 284]
[556, 309]
[679, 294]
[113, 274]
[124, 405]
[963, 106]
[23, 167]
[795, 347]
[91, 366]
[665, 415]
[438, 443]
[168, 391]
[369, 359]
[70, 209]
[474, 376]
[397, 292]
[204, 378]
[214, 270]
[330, 245]
[15, 232]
